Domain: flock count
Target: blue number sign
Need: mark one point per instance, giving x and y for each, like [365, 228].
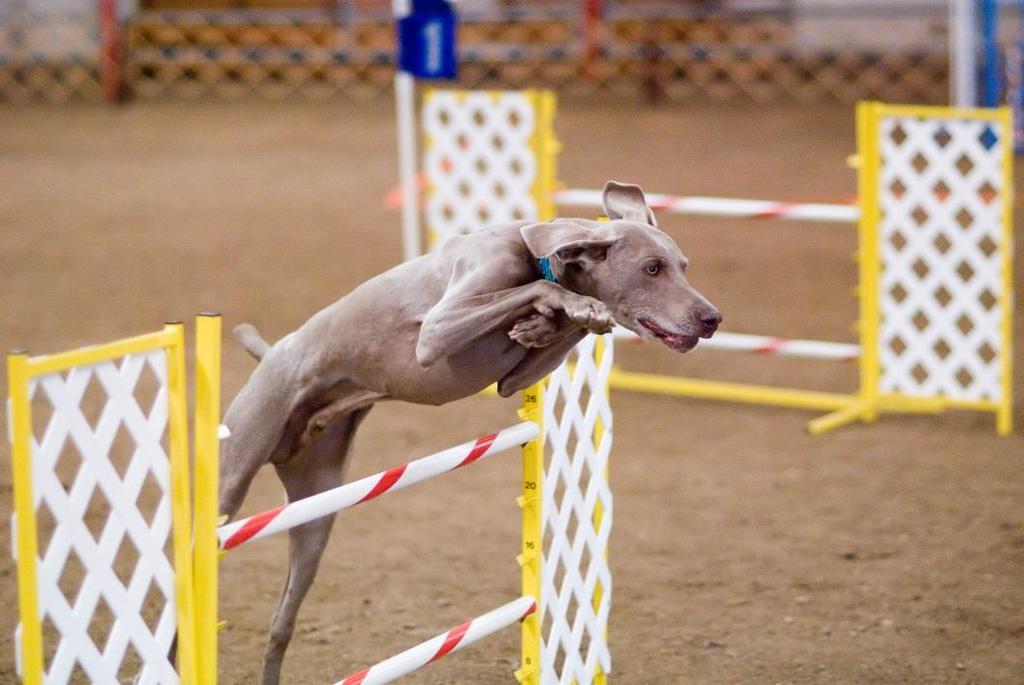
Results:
[426, 40]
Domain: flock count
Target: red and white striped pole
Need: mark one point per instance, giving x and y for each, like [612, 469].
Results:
[440, 645]
[332, 501]
[723, 206]
[764, 344]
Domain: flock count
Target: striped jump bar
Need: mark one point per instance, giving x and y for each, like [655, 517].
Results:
[440, 645]
[763, 344]
[332, 501]
[723, 206]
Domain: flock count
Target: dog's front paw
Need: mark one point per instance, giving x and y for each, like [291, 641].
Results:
[535, 331]
[586, 312]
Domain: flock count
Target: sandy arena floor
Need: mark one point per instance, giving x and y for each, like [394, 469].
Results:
[743, 551]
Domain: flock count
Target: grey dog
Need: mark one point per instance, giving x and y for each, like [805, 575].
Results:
[504, 305]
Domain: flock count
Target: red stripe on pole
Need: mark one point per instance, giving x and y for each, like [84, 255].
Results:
[356, 678]
[451, 641]
[252, 526]
[776, 211]
[533, 608]
[480, 448]
[389, 478]
[772, 346]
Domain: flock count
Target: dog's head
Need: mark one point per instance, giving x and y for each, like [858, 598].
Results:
[632, 267]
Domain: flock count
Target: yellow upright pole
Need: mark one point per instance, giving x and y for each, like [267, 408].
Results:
[545, 149]
[181, 501]
[26, 541]
[207, 451]
[531, 554]
[868, 253]
[600, 678]
[1004, 415]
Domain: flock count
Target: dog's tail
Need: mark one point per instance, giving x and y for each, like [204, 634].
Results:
[251, 340]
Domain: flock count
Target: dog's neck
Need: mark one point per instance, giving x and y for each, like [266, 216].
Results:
[546, 269]
[567, 276]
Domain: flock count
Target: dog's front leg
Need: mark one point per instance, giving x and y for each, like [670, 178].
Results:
[539, 362]
[468, 312]
[537, 330]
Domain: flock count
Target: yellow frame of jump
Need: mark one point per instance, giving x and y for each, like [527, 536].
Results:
[206, 554]
[206, 551]
[867, 402]
[21, 369]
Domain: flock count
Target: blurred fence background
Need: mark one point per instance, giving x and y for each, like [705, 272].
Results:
[764, 51]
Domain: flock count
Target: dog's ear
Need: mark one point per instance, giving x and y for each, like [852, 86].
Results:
[626, 201]
[568, 241]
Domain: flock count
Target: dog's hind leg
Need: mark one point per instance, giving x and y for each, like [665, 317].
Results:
[259, 416]
[256, 419]
[318, 466]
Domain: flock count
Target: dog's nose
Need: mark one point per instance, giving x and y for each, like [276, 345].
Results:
[709, 320]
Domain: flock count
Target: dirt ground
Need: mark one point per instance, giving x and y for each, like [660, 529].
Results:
[743, 550]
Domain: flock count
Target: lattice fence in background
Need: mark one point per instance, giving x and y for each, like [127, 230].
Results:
[48, 51]
[272, 54]
[767, 57]
[679, 51]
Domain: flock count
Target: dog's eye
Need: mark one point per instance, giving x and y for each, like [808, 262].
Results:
[653, 269]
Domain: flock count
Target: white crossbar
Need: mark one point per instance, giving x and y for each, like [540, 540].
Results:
[440, 645]
[723, 206]
[332, 501]
[763, 344]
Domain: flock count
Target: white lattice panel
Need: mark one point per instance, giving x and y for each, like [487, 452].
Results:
[101, 489]
[576, 582]
[942, 199]
[478, 161]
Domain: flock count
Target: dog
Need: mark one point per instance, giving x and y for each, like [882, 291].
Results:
[504, 305]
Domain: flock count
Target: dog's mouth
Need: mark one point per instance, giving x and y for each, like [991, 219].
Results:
[680, 342]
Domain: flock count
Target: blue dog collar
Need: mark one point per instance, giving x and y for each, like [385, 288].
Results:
[545, 268]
